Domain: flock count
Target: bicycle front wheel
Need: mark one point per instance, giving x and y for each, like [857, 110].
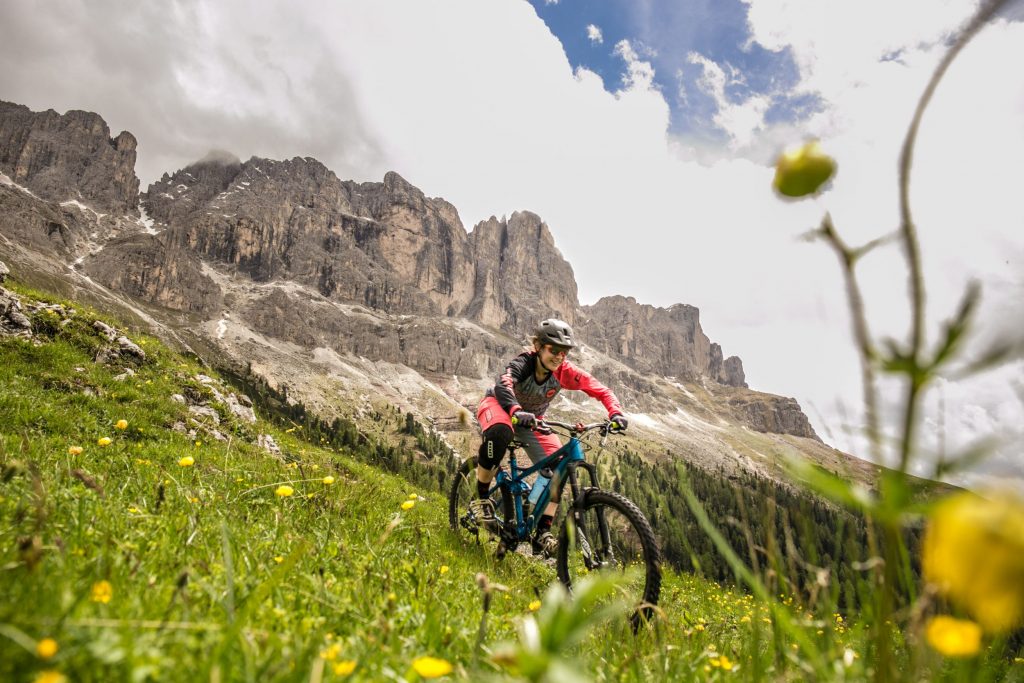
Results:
[610, 535]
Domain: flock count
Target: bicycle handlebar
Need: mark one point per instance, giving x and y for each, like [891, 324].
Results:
[606, 426]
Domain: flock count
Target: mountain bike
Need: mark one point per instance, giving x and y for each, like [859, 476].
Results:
[602, 531]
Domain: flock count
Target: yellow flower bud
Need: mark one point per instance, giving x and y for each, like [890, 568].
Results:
[803, 170]
[46, 648]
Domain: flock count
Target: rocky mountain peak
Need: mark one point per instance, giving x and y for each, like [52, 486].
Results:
[663, 341]
[69, 157]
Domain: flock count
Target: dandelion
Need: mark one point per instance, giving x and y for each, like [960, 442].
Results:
[121, 424]
[328, 480]
[103, 441]
[278, 559]
[102, 592]
[973, 552]
[443, 569]
[284, 491]
[413, 496]
[344, 667]
[409, 505]
[953, 637]
[431, 667]
[74, 450]
[534, 606]
[46, 648]
[187, 461]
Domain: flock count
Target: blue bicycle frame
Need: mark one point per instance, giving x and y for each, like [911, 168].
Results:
[570, 453]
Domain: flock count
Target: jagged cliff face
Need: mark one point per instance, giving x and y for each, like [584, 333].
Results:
[658, 340]
[263, 252]
[50, 154]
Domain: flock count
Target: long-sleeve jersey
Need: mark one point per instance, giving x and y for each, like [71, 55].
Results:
[518, 389]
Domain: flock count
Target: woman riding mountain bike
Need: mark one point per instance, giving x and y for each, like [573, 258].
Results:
[512, 407]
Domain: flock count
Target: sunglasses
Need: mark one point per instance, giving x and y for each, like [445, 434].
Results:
[557, 350]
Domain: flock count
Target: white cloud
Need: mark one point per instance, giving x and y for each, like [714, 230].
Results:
[740, 121]
[477, 103]
[639, 74]
[594, 34]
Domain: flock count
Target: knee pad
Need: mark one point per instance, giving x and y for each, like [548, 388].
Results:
[495, 443]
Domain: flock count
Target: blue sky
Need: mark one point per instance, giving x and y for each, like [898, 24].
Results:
[666, 33]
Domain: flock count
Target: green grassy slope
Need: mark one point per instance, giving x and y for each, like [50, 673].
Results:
[168, 556]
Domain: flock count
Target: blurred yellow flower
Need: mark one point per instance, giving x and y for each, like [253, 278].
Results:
[74, 450]
[431, 667]
[278, 559]
[49, 676]
[413, 496]
[344, 667]
[953, 637]
[46, 648]
[187, 461]
[328, 480]
[103, 441]
[722, 662]
[801, 171]
[973, 552]
[331, 653]
[101, 591]
[121, 424]
[443, 569]
[534, 606]
[409, 505]
[284, 491]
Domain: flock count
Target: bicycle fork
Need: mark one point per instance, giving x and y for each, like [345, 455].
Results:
[593, 558]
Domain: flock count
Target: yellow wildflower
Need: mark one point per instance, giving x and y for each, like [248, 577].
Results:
[745, 619]
[328, 480]
[46, 648]
[973, 552]
[279, 559]
[431, 667]
[103, 441]
[101, 591]
[50, 676]
[187, 461]
[74, 450]
[953, 637]
[344, 667]
[534, 606]
[284, 491]
[443, 569]
[409, 505]
[121, 424]
[331, 652]
[413, 496]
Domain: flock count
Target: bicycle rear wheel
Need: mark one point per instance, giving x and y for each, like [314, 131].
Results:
[461, 520]
[610, 535]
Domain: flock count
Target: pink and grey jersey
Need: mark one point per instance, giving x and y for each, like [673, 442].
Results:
[518, 388]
